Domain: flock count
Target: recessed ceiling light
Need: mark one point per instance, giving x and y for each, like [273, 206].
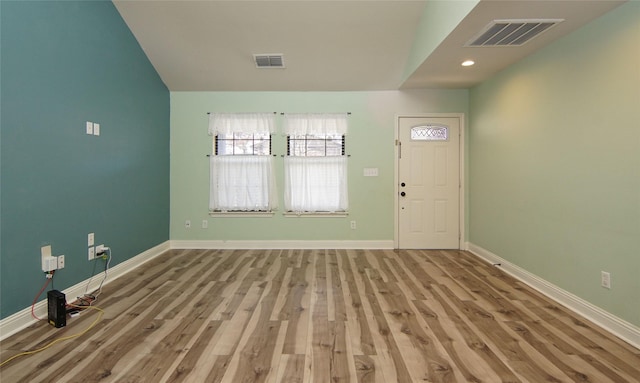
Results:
[468, 63]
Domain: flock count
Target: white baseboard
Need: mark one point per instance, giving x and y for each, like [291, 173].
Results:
[281, 244]
[619, 327]
[22, 319]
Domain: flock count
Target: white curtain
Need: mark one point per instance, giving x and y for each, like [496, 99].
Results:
[297, 124]
[242, 183]
[229, 123]
[315, 184]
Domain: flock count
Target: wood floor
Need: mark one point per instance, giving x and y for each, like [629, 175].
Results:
[322, 316]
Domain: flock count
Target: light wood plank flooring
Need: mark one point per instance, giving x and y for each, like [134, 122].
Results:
[322, 316]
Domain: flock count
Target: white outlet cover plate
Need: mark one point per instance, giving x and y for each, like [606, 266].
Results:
[45, 254]
[45, 251]
[370, 172]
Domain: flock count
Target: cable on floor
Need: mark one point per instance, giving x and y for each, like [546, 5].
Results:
[93, 324]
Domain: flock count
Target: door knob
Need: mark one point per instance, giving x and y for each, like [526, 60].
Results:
[403, 194]
[402, 184]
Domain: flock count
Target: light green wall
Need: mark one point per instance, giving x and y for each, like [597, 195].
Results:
[370, 143]
[555, 162]
[439, 19]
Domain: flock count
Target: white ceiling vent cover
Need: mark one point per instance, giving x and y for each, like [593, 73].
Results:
[271, 60]
[511, 32]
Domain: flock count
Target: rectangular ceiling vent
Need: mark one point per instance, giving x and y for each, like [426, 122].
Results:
[511, 32]
[273, 60]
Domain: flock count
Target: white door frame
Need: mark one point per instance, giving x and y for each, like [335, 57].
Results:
[462, 194]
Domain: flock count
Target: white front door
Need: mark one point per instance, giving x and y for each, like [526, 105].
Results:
[428, 183]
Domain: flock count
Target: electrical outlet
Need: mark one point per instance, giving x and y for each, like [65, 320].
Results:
[205, 224]
[92, 253]
[60, 261]
[605, 279]
[353, 225]
[100, 249]
[187, 224]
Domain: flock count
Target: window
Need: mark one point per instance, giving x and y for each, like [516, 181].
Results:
[256, 144]
[316, 164]
[315, 145]
[242, 177]
[430, 133]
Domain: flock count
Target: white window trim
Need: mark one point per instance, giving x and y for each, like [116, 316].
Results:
[247, 214]
[317, 214]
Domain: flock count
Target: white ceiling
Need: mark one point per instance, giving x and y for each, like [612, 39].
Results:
[329, 45]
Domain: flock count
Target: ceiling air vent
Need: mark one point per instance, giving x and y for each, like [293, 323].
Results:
[274, 60]
[511, 32]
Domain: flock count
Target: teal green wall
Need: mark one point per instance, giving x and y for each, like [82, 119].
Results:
[64, 63]
[554, 179]
[438, 20]
[370, 143]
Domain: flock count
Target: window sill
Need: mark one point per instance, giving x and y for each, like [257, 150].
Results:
[247, 214]
[318, 214]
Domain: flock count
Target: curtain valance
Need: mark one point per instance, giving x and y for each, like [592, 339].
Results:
[229, 123]
[315, 123]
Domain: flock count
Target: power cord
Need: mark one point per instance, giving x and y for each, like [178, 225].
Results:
[93, 324]
[105, 253]
[33, 304]
[85, 302]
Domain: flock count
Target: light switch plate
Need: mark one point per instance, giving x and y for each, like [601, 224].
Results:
[89, 127]
[370, 172]
[96, 129]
